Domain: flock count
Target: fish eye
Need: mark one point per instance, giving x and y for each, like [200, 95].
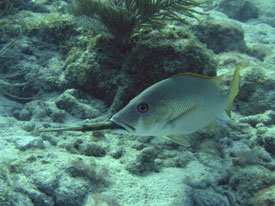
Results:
[142, 107]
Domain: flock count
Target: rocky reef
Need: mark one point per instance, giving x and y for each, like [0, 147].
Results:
[58, 70]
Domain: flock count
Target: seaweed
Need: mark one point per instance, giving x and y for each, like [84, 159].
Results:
[8, 88]
[7, 179]
[8, 7]
[122, 17]
[7, 47]
[89, 169]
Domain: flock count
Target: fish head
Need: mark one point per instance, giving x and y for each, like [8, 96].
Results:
[145, 115]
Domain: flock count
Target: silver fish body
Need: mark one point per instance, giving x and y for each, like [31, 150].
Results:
[175, 106]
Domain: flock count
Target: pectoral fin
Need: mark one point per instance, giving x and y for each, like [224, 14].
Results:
[183, 114]
[179, 139]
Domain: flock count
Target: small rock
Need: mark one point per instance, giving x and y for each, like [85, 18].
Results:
[70, 191]
[28, 126]
[256, 94]
[265, 197]
[46, 181]
[259, 51]
[58, 116]
[221, 36]
[262, 154]
[209, 198]
[269, 140]
[76, 106]
[259, 120]
[92, 149]
[117, 153]
[241, 10]
[27, 142]
[144, 162]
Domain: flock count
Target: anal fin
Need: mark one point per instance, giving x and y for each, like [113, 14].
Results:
[211, 126]
[179, 139]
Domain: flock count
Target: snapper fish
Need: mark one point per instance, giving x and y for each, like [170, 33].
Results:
[177, 106]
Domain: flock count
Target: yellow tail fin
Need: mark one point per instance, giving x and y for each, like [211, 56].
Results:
[233, 91]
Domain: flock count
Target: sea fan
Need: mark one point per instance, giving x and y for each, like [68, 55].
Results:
[121, 17]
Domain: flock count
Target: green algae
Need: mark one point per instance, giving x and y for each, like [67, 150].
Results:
[99, 65]
[7, 47]
[8, 7]
[265, 197]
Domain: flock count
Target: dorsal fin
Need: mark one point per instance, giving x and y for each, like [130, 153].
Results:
[216, 80]
[190, 74]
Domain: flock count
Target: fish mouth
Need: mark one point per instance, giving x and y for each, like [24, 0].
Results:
[124, 126]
